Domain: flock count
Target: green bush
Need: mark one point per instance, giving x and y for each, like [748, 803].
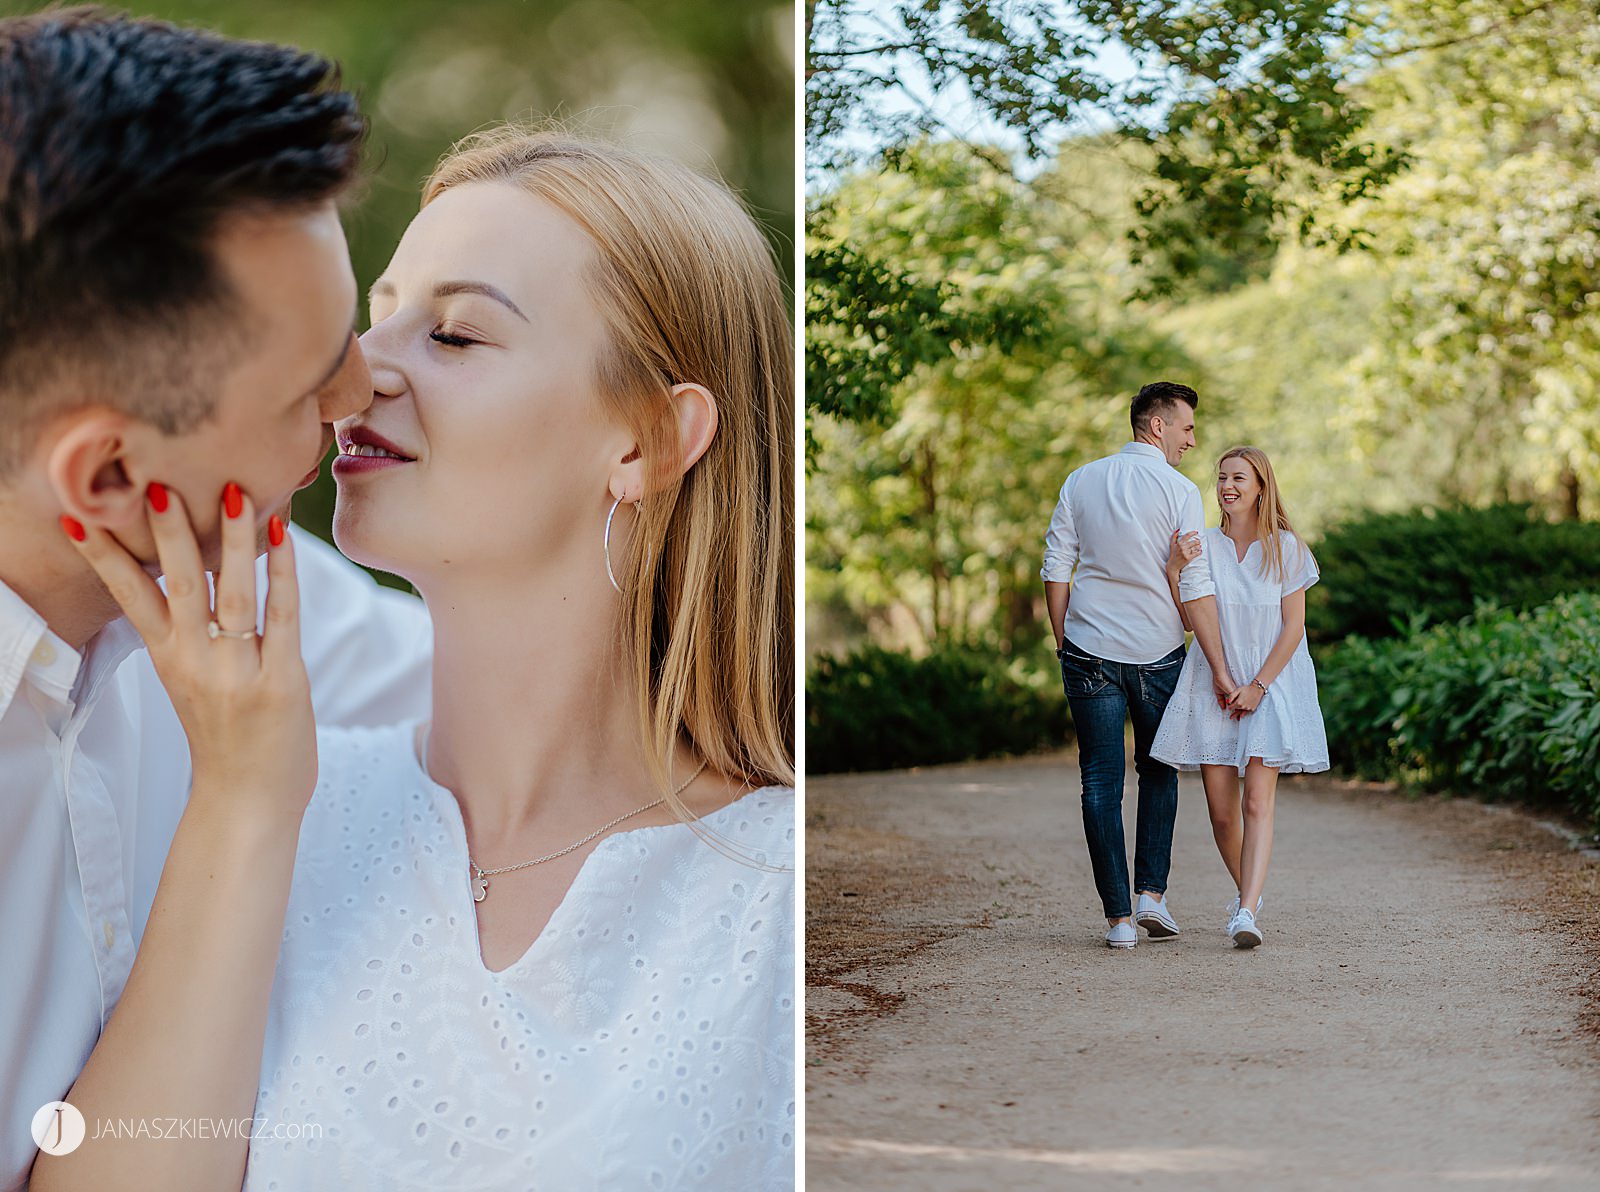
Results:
[1503, 703]
[1383, 571]
[878, 709]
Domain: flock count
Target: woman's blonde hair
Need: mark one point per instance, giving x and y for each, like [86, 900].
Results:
[690, 293]
[1272, 519]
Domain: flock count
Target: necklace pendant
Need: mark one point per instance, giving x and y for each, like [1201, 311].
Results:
[480, 888]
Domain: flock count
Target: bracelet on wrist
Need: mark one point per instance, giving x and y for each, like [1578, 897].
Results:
[1261, 685]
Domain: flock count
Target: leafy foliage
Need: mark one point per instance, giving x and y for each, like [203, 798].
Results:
[939, 510]
[879, 709]
[1502, 703]
[1236, 98]
[1384, 571]
[1453, 361]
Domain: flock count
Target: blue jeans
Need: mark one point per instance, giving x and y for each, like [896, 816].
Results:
[1102, 695]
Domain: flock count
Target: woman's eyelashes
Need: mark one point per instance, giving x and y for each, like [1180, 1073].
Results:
[441, 336]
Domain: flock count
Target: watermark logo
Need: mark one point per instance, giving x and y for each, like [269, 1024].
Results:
[58, 1128]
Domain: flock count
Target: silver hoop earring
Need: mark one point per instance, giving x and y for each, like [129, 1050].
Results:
[605, 546]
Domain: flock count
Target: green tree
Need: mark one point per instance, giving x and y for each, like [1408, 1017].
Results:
[1236, 102]
[930, 527]
[1490, 251]
[1429, 342]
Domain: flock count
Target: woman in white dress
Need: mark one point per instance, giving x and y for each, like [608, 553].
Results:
[544, 940]
[1271, 724]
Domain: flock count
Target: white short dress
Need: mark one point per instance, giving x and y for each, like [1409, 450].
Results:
[1286, 731]
[644, 1041]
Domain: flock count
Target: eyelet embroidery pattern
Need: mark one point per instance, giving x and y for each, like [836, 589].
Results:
[646, 1039]
[1286, 730]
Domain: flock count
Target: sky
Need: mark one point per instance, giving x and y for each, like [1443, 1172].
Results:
[954, 106]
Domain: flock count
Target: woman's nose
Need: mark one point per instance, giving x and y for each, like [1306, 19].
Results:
[385, 378]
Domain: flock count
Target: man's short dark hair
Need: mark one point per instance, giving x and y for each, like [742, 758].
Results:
[1158, 398]
[124, 144]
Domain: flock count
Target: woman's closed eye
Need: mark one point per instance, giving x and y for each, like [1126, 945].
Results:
[442, 335]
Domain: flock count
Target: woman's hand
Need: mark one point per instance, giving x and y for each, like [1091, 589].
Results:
[244, 701]
[1186, 549]
[1246, 700]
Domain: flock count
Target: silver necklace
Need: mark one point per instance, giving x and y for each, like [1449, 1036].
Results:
[480, 876]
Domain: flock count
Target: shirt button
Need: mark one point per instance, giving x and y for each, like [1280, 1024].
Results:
[44, 653]
[111, 934]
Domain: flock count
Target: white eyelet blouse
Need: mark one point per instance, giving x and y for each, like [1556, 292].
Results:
[644, 1041]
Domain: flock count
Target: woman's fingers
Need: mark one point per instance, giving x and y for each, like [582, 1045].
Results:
[280, 644]
[188, 598]
[236, 575]
[133, 590]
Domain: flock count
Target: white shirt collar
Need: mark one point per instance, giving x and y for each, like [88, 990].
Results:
[30, 649]
[1149, 449]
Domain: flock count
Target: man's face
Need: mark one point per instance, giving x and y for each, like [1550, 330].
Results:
[301, 369]
[1173, 429]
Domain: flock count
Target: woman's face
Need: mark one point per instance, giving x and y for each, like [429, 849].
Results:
[483, 349]
[1237, 486]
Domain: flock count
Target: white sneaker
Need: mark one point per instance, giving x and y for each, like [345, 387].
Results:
[1154, 917]
[1233, 909]
[1242, 930]
[1122, 935]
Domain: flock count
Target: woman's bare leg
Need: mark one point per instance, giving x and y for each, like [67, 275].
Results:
[1222, 798]
[1260, 794]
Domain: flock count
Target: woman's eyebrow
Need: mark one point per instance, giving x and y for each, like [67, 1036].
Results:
[446, 288]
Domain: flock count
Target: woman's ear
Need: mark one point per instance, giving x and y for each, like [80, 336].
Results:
[696, 413]
[697, 421]
[627, 476]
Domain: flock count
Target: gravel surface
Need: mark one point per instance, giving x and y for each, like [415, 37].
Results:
[1423, 1013]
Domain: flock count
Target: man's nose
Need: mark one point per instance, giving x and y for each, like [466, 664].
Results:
[350, 391]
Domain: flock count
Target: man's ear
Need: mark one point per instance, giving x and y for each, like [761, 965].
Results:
[88, 467]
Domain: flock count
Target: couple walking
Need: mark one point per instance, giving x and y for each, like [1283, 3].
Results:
[1129, 567]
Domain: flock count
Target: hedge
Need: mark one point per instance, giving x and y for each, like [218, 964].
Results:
[1383, 571]
[1503, 703]
[878, 709]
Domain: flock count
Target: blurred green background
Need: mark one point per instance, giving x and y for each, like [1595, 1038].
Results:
[709, 82]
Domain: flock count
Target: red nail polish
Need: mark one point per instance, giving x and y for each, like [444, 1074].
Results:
[73, 527]
[232, 500]
[275, 530]
[157, 492]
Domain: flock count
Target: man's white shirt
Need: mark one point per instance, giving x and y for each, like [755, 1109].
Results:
[1110, 537]
[94, 776]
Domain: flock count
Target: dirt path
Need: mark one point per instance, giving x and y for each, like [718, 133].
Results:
[1422, 1015]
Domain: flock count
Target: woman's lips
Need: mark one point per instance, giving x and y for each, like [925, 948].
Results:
[351, 465]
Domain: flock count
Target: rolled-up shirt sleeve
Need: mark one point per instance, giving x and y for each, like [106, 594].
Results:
[1060, 542]
[1194, 581]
